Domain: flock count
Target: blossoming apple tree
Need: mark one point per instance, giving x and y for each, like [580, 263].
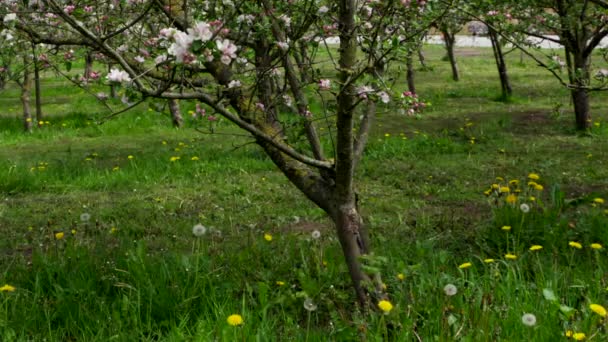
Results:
[244, 61]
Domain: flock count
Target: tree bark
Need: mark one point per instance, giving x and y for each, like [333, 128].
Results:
[176, 113]
[505, 85]
[580, 77]
[409, 61]
[450, 40]
[39, 114]
[88, 64]
[25, 94]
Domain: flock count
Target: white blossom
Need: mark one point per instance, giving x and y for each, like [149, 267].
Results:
[119, 76]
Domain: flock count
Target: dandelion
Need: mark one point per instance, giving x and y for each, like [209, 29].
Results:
[514, 182]
[495, 186]
[579, 336]
[487, 192]
[195, 158]
[568, 333]
[596, 246]
[7, 288]
[528, 319]
[536, 248]
[59, 235]
[235, 320]
[450, 289]
[385, 306]
[575, 244]
[174, 158]
[316, 234]
[280, 283]
[511, 199]
[401, 276]
[499, 179]
[113, 230]
[84, 217]
[598, 309]
[538, 187]
[73, 231]
[504, 189]
[309, 305]
[524, 208]
[488, 261]
[532, 184]
[598, 200]
[199, 230]
[510, 256]
[130, 157]
[534, 176]
[506, 228]
[465, 265]
[532, 198]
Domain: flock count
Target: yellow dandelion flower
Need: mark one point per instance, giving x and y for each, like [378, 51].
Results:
[504, 189]
[511, 199]
[267, 237]
[164, 142]
[536, 248]
[532, 184]
[534, 176]
[532, 198]
[495, 186]
[130, 157]
[280, 283]
[568, 333]
[575, 244]
[579, 336]
[514, 182]
[385, 306]
[174, 158]
[235, 320]
[488, 261]
[7, 288]
[400, 276]
[538, 187]
[487, 192]
[598, 309]
[510, 256]
[73, 231]
[598, 200]
[506, 228]
[59, 235]
[195, 158]
[387, 135]
[465, 265]
[596, 246]
[499, 179]
[113, 230]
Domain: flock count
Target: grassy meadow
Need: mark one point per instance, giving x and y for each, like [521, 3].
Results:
[97, 220]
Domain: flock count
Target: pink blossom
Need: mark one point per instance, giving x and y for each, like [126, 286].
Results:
[324, 84]
[69, 9]
[362, 91]
[201, 31]
[283, 46]
[260, 106]
[88, 9]
[384, 97]
[180, 48]
[139, 59]
[234, 84]
[228, 50]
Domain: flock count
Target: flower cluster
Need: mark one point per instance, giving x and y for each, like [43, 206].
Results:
[410, 103]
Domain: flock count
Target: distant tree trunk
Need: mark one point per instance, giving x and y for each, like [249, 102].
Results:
[410, 72]
[39, 114]
[505, 85]
[88, 64]
[450, 41]
[301, 57]
[113, 93]
[422, 58]
[176, 113]
[579, 76]
[25, 93]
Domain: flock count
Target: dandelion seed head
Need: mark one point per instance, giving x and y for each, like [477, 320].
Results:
[316, 234]
[199, 230]
[450, 289]
[309, 305]
[528, 319]
[85, 217]
[525, 208]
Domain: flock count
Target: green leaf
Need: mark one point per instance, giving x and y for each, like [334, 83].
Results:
[68, 66]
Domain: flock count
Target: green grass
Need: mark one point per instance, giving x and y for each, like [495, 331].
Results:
[134, 271]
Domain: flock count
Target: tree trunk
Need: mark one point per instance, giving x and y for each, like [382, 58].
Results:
[25, 94]
[39, 114]
[88, 64]
[176, 113]
[579, 76]
[580, 98]
[450, 41]
[113, 93]
[410, 72]
[505, 85]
